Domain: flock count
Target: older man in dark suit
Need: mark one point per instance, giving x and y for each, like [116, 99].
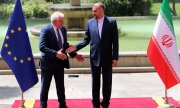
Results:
[102, 34]
[53, 43]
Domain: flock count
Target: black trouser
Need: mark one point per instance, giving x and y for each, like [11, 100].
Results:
[46, 77]
[106, 85]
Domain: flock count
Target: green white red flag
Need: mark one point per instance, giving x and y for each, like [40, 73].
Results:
[162, 50]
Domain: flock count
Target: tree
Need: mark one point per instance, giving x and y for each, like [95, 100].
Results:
[7, 1]
[173, 11]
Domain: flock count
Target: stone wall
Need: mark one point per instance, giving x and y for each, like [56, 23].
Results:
[126, 59]
[129, 62]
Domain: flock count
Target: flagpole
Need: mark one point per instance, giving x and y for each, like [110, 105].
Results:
[22, 100]
[166, 92]
[166, 96]
[166, 103]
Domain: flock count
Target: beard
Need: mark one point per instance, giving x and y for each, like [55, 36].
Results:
[96, 17]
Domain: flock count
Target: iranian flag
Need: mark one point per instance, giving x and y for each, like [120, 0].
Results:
[162, 50]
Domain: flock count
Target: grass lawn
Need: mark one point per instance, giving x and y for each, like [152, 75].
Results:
[135, 34]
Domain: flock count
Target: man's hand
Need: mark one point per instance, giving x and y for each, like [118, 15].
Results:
[61, 55]
[71, 49]
[114, 63]
[80, 57]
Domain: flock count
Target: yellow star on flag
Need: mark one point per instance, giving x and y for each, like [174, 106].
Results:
[6, 45]
[12, 31]
[29, 58]
[19, 29]
[15, 58]
[7, 37]
[9, 53]
[22, 61]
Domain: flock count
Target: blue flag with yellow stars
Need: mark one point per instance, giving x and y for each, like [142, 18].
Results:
[16, 50]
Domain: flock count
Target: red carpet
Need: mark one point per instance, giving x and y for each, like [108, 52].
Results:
[115, 103]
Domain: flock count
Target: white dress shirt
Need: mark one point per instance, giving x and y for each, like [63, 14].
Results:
[100, 25]
[55, 30]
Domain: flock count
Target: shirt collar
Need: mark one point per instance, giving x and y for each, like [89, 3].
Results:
[102, 19]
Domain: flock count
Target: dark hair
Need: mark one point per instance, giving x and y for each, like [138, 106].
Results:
[100, 5]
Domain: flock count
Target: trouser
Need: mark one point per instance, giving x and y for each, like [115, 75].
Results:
[46, 77]
[106, 84]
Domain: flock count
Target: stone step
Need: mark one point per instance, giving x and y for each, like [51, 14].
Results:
[87, 70]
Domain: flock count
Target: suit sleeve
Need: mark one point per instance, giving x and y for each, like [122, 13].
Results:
[72, 54]
[43, 47]
[85, 41]
[66, 45]
[115, 41]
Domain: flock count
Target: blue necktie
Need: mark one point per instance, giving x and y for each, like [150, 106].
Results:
[59, 39]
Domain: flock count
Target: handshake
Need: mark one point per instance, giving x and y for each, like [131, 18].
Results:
[71, 48]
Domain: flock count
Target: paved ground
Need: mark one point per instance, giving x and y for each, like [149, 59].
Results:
[124, 85]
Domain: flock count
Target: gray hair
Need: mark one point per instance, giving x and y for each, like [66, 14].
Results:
[56, 15]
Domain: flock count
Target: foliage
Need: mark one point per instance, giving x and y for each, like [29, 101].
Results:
[28, 11]
[159, 1]
[22, 1]
[33, 2]
[6, 10]
[127, 7]
[31, 9]
[39, 11]
[116, 7]
[57, 1]
[156, 8]
[141, 7]
[34, 8]
[92, 1]
[7, 1]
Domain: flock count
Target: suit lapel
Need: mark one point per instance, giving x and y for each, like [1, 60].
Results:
[104, 26]
[54, 38]
[53, 33]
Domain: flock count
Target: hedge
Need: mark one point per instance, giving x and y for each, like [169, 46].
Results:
[127, 7]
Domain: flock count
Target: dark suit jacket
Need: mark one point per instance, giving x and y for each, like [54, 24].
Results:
[48, 46]
[105, 49]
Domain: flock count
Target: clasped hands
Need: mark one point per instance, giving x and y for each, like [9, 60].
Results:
[63, 56]
[73, 48]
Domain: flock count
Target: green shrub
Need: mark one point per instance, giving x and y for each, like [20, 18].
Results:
[40, 11]
[117, 7]
[32, 2]
[159, 1]
[127, 7]
[7, 1]
[92, 1]
[31, 9]
[34, 8]
[28, 11]
[6, 10]
[57, 1]
[141, 7]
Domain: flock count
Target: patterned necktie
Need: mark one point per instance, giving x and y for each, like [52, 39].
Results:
[59, 39]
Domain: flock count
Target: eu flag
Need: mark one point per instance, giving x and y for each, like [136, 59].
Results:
[16, 50]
